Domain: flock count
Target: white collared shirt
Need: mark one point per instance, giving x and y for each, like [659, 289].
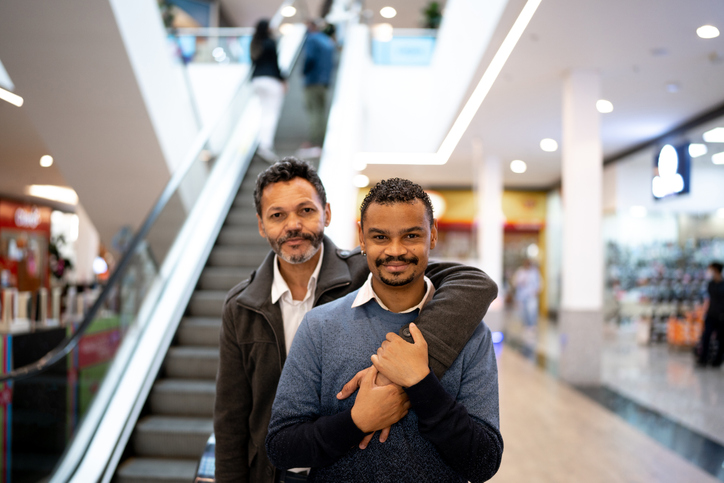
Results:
[367, 293]
[293, 311]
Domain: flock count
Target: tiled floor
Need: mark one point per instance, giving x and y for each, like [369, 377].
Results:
[647, 385]
[553, 433]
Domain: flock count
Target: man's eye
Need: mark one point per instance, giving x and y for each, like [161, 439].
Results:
[413, 235]
[307, 210]
[276, 215]
[379, 237]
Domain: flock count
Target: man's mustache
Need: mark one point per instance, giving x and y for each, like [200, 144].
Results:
[389, 258]
[295, 234]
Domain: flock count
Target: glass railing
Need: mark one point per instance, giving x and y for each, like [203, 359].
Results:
[403, 47]
[58, 382]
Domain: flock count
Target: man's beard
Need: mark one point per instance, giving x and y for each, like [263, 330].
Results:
[396, 282]
[315, 240]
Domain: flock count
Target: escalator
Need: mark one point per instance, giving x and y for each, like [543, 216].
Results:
[145, 414]
[178, 417]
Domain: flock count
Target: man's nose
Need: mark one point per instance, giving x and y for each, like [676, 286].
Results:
[395, 248]
[293, 222]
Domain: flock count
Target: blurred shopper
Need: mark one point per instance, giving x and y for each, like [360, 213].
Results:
[714, 319]
[305, 269]
[451, 432]
[527, 284]
[268, 85]
[318, 60]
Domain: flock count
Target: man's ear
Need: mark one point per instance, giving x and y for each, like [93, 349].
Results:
[327, 214]
[361, 235]
[261, 226]
[433, 234]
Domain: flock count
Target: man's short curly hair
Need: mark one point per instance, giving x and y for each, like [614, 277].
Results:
[396, 190]
[287, 169]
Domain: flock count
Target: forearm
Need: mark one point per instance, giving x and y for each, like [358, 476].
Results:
[313, 443]
[461, 300]
[471, 448]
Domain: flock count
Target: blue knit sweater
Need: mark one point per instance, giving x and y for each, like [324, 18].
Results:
[443, 437]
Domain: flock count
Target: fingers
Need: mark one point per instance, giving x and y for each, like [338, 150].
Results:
[416, 334]
[352, 385]
[384, 434]
[363, 444]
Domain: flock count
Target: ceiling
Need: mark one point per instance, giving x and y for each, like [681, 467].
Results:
[637, 47]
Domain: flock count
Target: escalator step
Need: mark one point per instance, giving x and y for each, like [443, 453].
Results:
[224, 256]
[156, 470]
[192, 362]
[223, 278]
[199, 331]
[207, 303]
[183, 397]
[168, 436]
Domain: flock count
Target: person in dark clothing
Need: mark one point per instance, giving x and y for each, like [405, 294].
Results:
[305, 269]
[714, 318]
[318, 63]
[268, 84]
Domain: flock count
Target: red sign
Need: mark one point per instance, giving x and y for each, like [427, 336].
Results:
[25, 217]
[97, 348]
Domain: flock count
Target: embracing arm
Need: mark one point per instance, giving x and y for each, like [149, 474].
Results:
[462, 297]
[464, 429]
[299, 436]
[232, 408]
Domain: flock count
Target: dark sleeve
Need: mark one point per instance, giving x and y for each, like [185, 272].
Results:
[464, 428]
[298, 436]
[462, 297]
[232, 407]
[314, 443]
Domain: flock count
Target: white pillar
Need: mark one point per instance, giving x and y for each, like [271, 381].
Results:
[489, 220]
[581, 319]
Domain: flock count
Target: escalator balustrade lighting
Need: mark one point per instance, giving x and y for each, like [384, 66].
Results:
[471, 106]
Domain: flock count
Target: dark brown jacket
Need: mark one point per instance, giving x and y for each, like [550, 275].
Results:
[252, 347]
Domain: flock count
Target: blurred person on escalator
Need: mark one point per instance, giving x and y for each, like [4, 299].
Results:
[268, 85]
[527, 284]
[714, 318]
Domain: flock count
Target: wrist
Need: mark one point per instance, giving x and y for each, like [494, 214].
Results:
[359, 421]
[418, 376]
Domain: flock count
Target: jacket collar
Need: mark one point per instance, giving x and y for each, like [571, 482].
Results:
[334, 273]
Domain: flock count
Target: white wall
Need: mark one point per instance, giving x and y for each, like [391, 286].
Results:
[410, 109]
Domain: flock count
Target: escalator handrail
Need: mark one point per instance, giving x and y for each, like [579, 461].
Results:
[69, 343]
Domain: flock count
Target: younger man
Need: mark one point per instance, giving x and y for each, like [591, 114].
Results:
[451, 430]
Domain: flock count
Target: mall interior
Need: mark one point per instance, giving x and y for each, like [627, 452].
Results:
[573, 150]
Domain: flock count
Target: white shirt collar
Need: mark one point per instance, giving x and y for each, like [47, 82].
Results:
[280, 286]
[367, 293]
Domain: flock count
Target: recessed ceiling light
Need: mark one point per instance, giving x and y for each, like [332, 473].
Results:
[517, 166]
[8, 96]
[548, 145]
[361, 181]
[46, 161]
[55, 193]
[388, 12]
[697, 149]
[604, 106]
[289, 11]
[707, 32]
[718, 158]
[715, 135]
